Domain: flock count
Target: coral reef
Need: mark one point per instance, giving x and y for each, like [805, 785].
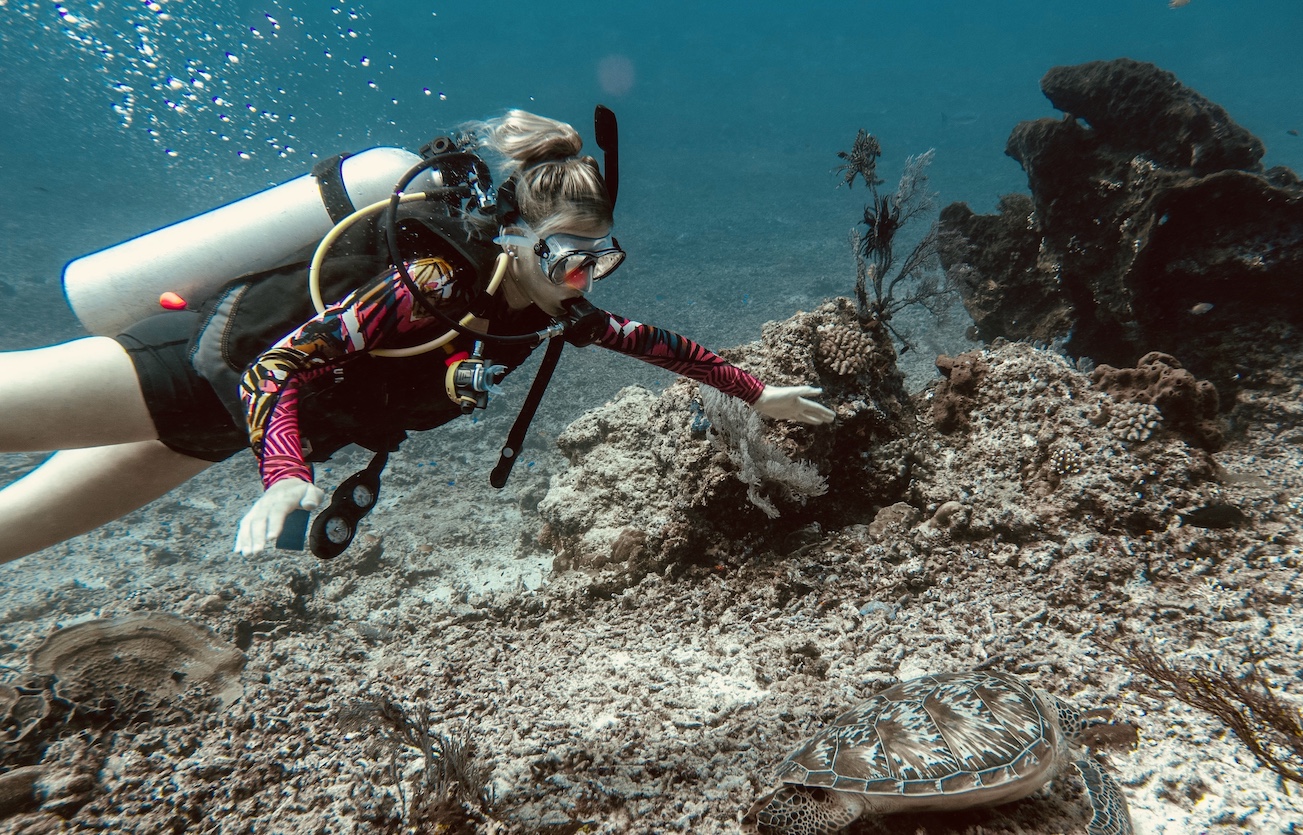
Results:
[662, 705]
[1185, 404]
[1153, 226]
[952, 398]
[1050, 453]
[642, 478]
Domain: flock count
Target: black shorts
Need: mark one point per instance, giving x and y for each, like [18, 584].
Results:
[189, 417]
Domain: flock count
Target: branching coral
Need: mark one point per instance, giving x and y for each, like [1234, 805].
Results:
[1270, 727]
[845, 351]
[740, 433]
[1134, 421]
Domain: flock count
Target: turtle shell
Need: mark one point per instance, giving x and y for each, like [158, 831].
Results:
[937, 742]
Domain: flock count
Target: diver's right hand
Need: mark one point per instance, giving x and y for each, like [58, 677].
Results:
[262, 524]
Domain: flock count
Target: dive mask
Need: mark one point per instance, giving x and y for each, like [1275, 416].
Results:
[569, 260]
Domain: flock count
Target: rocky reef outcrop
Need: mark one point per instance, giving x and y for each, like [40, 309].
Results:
[1151, 225]
[1011, 444]
[1046, 450]
[660, 479]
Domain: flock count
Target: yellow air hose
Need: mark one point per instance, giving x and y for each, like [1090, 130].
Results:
[319, 257]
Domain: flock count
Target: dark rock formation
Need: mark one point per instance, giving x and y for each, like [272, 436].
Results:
[1152, 226]
[994, 261]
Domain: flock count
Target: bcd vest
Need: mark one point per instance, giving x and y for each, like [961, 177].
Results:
[368, 400]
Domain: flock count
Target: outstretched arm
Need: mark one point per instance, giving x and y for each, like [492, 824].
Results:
[681, 355]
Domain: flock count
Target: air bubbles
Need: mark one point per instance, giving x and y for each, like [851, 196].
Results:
[144, 69]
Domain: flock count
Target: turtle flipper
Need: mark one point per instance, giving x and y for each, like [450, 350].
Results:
[1109, 804]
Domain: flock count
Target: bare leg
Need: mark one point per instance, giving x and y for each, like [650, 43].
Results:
[78, 490]
[77, 394]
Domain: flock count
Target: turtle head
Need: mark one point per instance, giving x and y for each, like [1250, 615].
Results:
[793, 809]
[1071, 721]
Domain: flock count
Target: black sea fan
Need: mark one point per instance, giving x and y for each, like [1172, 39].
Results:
[882, 288]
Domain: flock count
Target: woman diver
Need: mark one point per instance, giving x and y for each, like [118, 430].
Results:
[131, 417]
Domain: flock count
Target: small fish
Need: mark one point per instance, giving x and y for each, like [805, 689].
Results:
[961, 118]
[1176, 4]
[1215, 515]
[1201, 308]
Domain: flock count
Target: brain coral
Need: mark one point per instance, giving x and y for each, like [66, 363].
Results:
[157, 655]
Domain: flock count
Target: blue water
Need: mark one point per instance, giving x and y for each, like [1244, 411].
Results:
[123, 116]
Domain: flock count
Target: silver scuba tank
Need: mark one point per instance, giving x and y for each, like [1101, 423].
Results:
[188, 260]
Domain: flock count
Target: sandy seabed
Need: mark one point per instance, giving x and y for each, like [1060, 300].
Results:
[663, 706]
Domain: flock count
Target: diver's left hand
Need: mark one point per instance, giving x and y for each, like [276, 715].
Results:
[264, 521]
[790, 403]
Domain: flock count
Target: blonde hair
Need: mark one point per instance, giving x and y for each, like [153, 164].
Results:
[555, 186]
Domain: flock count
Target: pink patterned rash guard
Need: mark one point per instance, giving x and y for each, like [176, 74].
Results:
[384, 314]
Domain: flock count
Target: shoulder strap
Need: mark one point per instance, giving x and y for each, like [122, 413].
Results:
[330, 182]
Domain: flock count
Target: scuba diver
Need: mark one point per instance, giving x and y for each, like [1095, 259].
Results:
[435, 306]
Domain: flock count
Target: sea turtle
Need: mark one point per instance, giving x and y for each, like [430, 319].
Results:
[935, 743]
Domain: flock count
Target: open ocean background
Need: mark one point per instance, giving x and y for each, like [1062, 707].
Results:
[120, 117]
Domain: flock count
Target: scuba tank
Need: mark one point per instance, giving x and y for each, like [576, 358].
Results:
[189, 260]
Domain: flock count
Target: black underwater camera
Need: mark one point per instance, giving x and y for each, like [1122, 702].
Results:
[335, 527]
